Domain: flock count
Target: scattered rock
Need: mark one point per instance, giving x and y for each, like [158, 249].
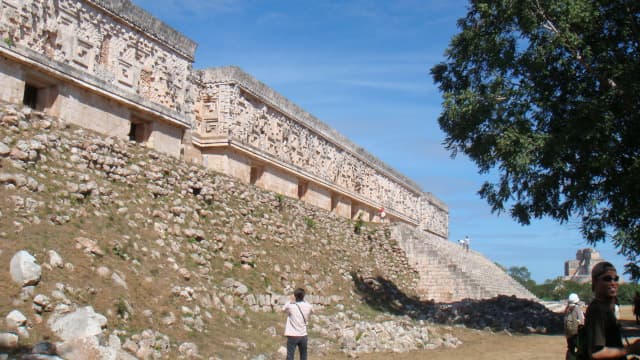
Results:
[55, 260]
[15, 319]
[24, 269]
[84, 322]
[89, 246]
[4, 149]
[8, 341]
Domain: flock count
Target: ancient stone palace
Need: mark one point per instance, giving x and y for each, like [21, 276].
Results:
[110, 66]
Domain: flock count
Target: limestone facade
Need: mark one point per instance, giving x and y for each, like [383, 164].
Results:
[80, 61]
[109, 66]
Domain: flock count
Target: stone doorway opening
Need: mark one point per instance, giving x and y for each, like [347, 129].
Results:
[355, 210]
[30, 97]
[303, 186]
[255, 174]
[334, 201]
[38, 93]
[139, 131]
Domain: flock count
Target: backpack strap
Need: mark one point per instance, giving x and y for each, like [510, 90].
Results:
[626, 339]
[301, 313]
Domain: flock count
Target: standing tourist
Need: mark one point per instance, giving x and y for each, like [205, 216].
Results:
[298, 312]
[573, 320]
[603, 335]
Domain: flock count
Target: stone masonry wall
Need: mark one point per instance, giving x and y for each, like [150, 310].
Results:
[234, 105]
[97, 57]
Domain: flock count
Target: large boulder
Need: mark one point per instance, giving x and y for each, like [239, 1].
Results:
[82, 348]
[24, 269]
[8, 341]
[91, 347]
[81, 323]
[15, 319]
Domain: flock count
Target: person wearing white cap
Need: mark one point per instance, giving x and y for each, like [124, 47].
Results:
[573, 320]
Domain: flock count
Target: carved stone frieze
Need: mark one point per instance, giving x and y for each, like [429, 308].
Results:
[78, 34]
[254, 122]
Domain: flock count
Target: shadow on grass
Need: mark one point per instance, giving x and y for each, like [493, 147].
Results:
[384, 296]
[26, 352]
[19, 352]
[499, 313]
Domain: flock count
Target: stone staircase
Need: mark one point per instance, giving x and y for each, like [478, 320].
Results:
[450, 273]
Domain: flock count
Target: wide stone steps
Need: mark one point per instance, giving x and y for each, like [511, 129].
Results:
[450, 273]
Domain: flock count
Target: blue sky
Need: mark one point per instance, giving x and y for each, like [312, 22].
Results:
[362, 67]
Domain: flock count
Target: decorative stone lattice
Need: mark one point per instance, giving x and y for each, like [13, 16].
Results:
[250, 119]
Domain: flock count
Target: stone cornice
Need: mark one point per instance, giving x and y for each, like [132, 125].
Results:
[429, 197]
[442, 236]
[149, 25]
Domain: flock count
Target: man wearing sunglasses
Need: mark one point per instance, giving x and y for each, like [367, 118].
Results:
[603, 336]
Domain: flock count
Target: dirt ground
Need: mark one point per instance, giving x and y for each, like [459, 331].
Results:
[482, 345]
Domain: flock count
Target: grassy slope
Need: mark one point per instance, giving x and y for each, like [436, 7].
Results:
[121, 216]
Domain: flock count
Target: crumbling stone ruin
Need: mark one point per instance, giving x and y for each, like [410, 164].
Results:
[580, 269]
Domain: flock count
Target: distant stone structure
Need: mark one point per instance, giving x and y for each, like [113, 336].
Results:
[580, 269]
[110, 66]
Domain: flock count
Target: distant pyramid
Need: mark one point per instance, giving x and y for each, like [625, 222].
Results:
[579, 270]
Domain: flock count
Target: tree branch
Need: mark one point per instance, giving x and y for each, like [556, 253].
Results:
[549, 25]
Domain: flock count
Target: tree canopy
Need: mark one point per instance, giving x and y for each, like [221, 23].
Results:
[546, 94]
[522, 275]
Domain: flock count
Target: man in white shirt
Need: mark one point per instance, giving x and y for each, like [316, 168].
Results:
[298, 313]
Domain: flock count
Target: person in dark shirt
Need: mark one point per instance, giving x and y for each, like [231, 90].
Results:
[604, 339]
[636, 307]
